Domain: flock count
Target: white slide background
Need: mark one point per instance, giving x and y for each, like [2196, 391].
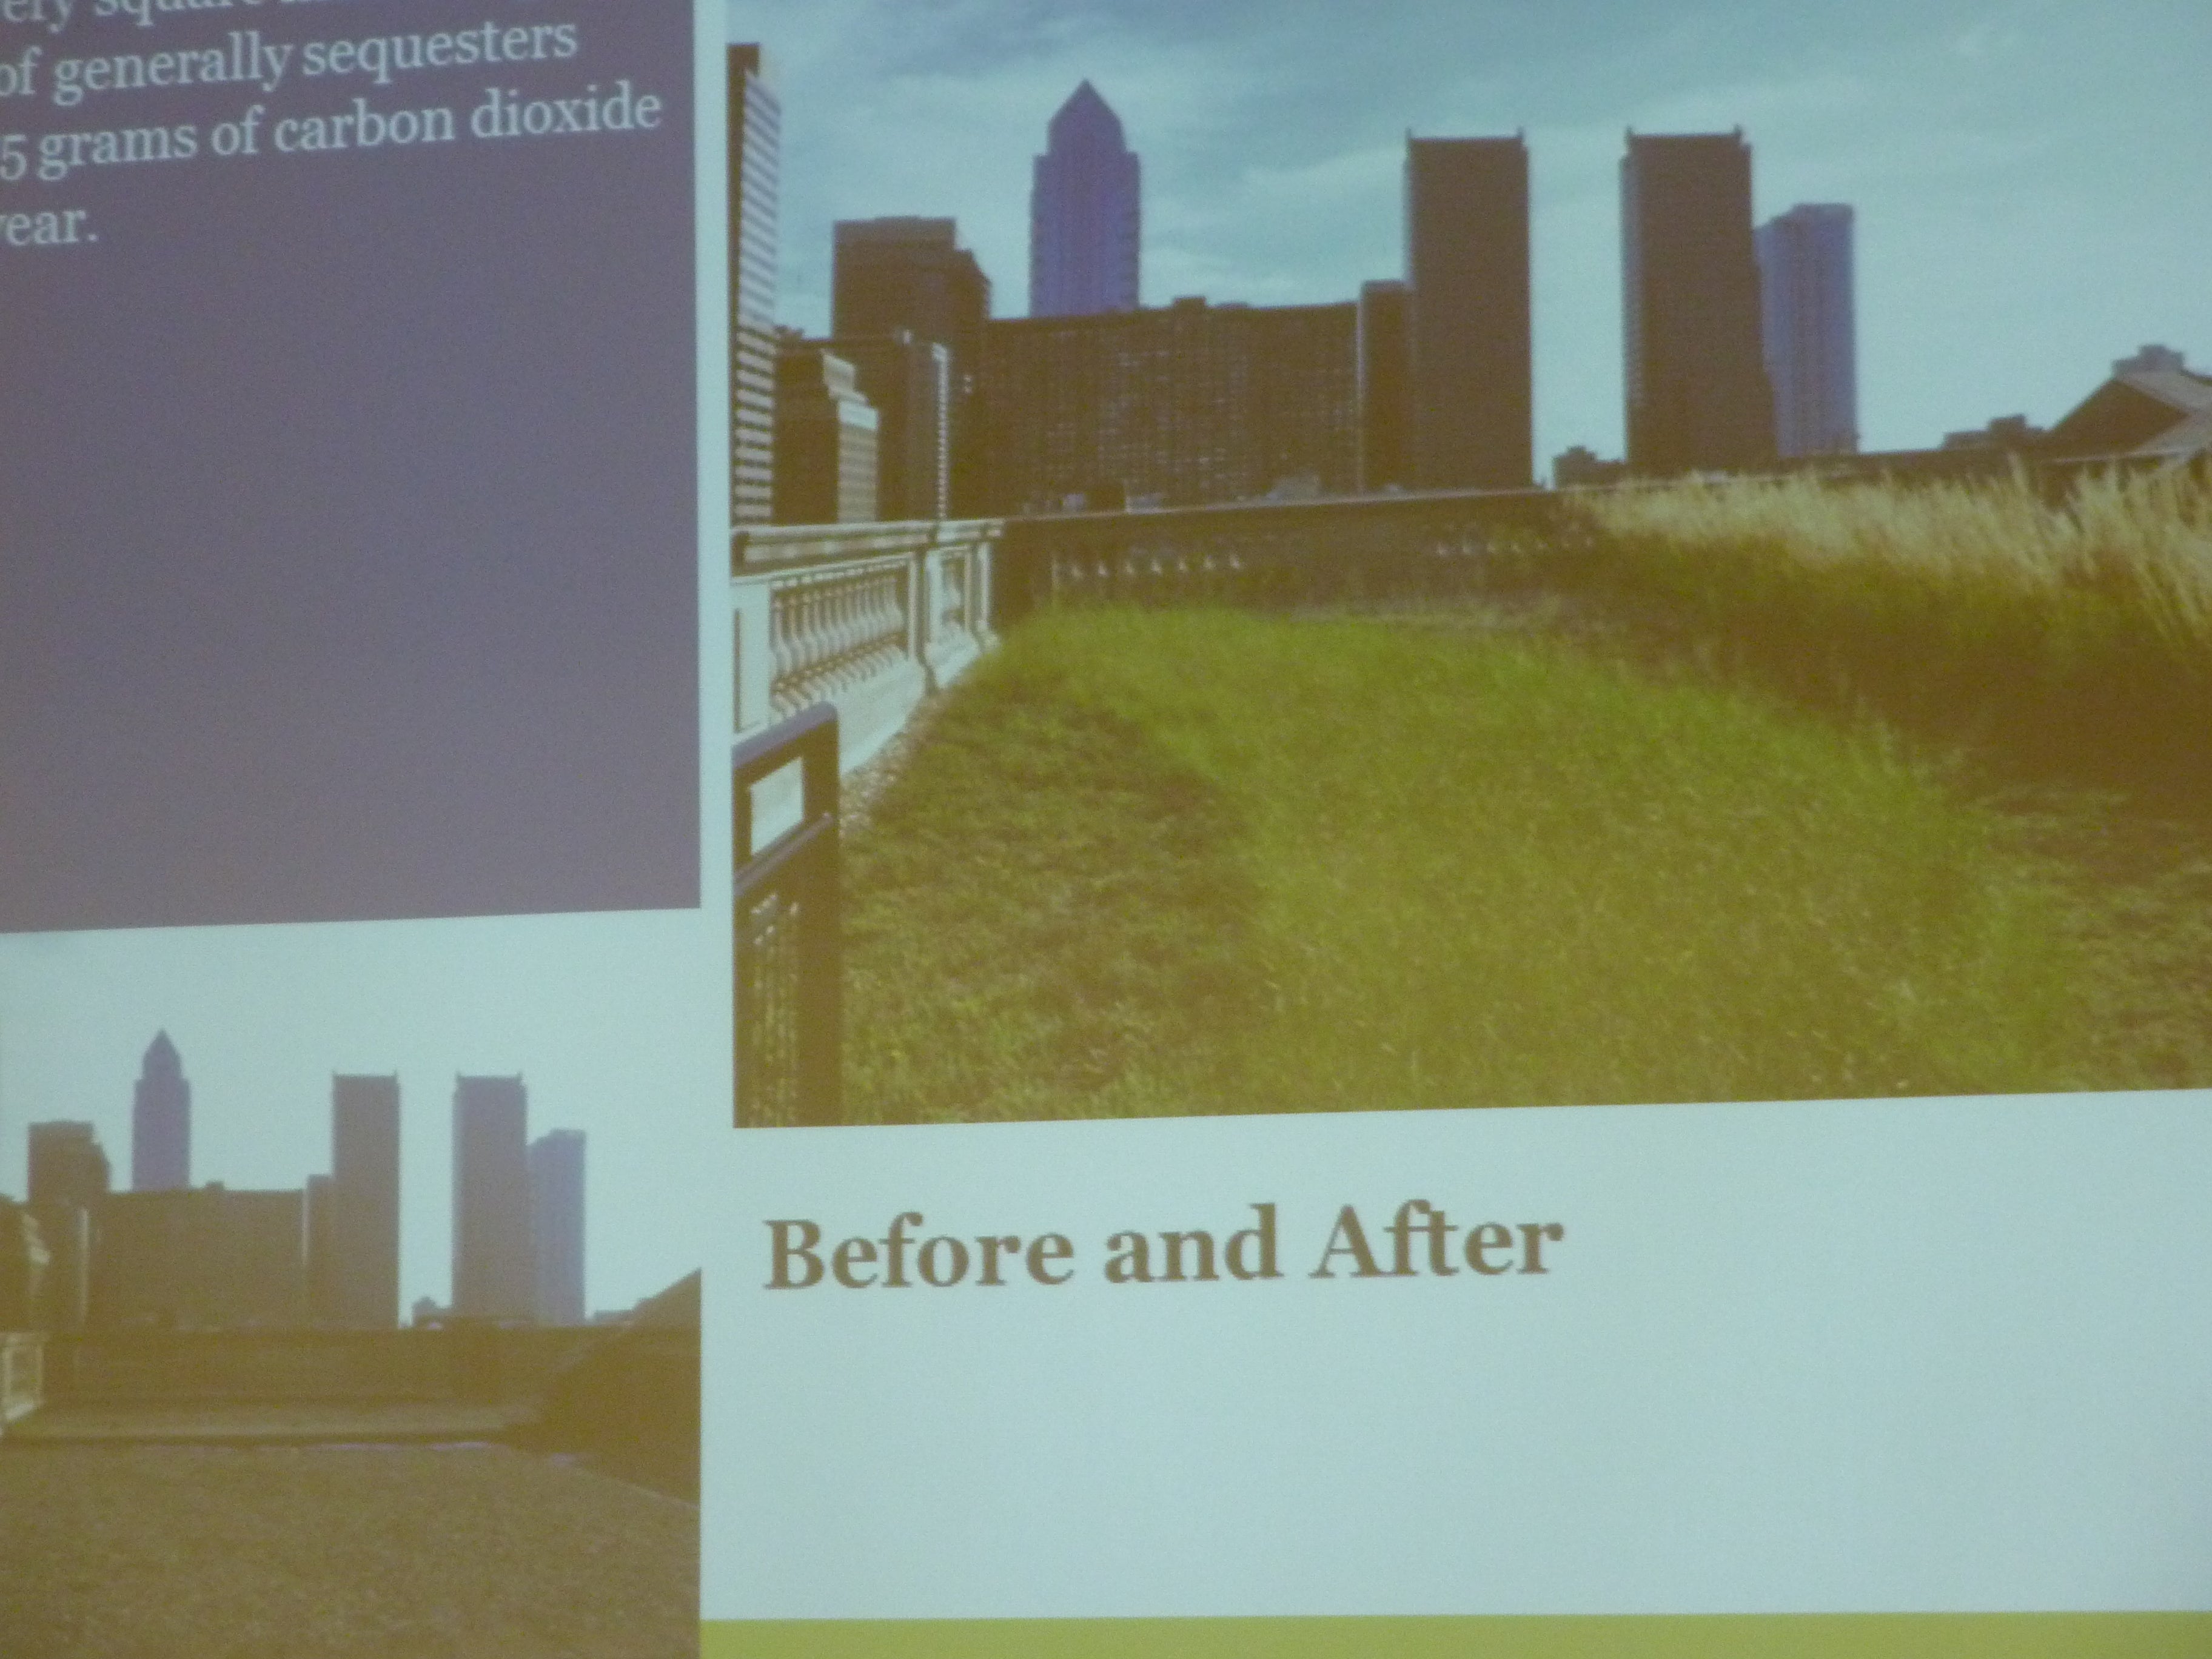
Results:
[1919, 1355]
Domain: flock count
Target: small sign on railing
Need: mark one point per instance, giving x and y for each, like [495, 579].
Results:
[789, 983]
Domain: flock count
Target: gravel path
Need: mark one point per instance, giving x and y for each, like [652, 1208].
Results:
[268, 1553]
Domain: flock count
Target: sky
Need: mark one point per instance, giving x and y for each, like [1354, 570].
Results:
[2029, 177]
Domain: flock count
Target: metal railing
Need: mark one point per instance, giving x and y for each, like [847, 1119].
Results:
[789, 978]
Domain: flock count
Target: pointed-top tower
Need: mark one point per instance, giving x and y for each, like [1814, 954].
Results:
[162, 1121]
[1083, 212]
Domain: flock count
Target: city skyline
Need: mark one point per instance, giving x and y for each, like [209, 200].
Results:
[526, 1237]
[603, 1014]
[2027, 154]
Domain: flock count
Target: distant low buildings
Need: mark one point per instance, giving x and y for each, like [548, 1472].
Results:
[2006, 432]
[1580, 466]
[2153, 406]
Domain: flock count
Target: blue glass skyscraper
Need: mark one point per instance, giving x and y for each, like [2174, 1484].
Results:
[162, 1121]
[1805, 293]
[1084, 214]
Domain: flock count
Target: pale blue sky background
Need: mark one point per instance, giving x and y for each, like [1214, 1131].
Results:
[2030, 177]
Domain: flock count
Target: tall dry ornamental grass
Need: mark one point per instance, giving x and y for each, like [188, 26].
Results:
[2144, 540]
[2071, 638]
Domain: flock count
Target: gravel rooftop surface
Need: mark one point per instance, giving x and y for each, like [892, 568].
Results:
[283, 1553]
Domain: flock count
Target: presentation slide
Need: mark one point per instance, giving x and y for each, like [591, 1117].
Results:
[352, 526]
[1510, 957]
[364, 963]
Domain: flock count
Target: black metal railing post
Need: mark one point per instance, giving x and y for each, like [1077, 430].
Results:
[789, 970]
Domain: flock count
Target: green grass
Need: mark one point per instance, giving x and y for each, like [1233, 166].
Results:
[1197, 861]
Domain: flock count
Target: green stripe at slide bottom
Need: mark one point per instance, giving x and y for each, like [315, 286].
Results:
[1743, 1636]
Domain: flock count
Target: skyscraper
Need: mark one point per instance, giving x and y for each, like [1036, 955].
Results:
[1085, 214]
[1467, 264]
[1697, 393]
[1806, 309]
[912, 274]
[494, 1268]
[556, 1219]
[910, 381]
[162, 1121]
[825, 439]
[363, 1278]
[756, 120]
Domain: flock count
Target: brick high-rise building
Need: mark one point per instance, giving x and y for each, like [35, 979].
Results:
[1181, 405]
[1466, 268]
[1696, 389]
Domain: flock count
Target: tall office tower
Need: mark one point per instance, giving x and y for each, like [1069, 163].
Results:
[756, 120]
[1084, 217]
[363, 1279]
[1806, 316]
[66, 1164]
[1466, 264]
[1177, 405]
[69, 1178]
[556, 1220]
[910, 381]
[494, 1268]
[1697, 394]
[890, 274]
[825, 439]
[162, 1121]
[1385, 393]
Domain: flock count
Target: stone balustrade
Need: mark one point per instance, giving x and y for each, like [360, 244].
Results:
[870, 617]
